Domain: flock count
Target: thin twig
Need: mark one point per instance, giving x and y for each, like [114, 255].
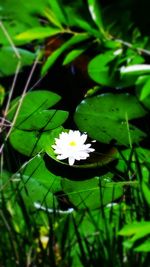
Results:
[10, 40]
[20, 103]
[10, 95]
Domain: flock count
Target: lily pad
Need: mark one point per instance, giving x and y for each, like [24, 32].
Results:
[26, 142]
[33, 121]
[34, 182]
[106, 117]
[35, 176]
[45, 119]
[101, 189]
[33, 102]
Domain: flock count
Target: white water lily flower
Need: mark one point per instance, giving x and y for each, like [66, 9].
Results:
[72, 145]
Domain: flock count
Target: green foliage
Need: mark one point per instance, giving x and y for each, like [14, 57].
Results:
[99, 68]
[81, 193]
[108, 68]
[114, 111]
[95, 11]
[9, 60]
[142, 90]
[36, 33]
[72, 41]
[34, 176]
[2, 94]
[136, 232]
[95, 54]
[33, 122]
[73, 55]
[32, 102]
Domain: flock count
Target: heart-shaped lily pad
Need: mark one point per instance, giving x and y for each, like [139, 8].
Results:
[32, 102]
[106, 117]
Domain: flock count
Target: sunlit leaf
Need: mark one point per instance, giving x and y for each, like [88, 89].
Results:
[95, 11]
[36, 33]
[136, 232]
[136, 70]
[12, 28]
[145, 91]
[59, 11]
[100, 71]
[22, 12]
[137, 228]
[9, 60]
[142, 89]
[73, 55]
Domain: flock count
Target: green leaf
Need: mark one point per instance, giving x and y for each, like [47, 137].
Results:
[135, 228]
[49, 140]
[76, 39]
[5, 185]
[100, 67]
[145, 90]
[105, 118]
[73, 55]
[82, 193]
[59, 11]
[139, 228]
[125, 160]
[26, 142]
[33, 102]
[144, 247]
[135, 70]
[145, 185]
[37, 184]
[142, 90]
[95, 11]
[9, 60]
[105, 68]
[32, 118]
[136, 232]
[12, 28]
[51, 16]
[45, 120]
[23, 12]
[37, 170]
[86, 26]
[36, 33]
[2, 94]
[132, 72]
[73, 16]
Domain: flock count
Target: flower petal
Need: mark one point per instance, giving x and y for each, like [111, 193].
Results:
[71, 160]
[62, 157]
[72, 145]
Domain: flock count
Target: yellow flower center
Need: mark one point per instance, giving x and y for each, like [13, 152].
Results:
[72, 143]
